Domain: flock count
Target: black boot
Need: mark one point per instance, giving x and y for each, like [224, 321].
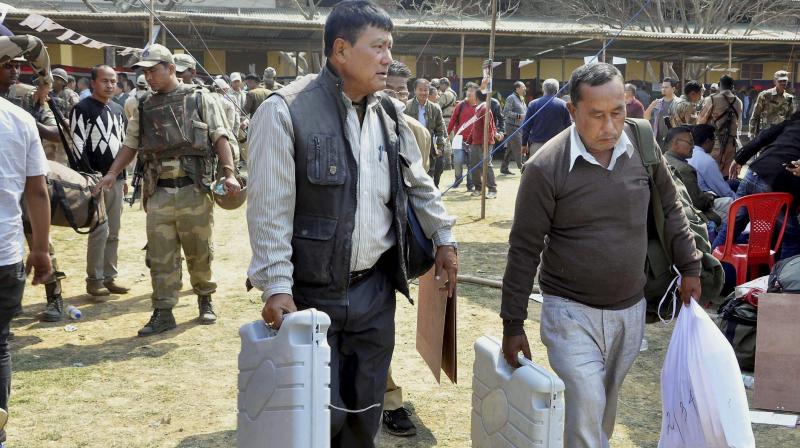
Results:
[161, 321]
[206, 308]
[54, 312]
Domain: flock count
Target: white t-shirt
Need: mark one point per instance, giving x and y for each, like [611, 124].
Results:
[21, 156]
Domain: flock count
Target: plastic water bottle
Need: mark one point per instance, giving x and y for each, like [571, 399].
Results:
[219, 188]
[749, 381]
[74, 313]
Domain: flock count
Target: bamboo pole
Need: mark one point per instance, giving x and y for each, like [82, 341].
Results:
[487, 108]
[461, 69]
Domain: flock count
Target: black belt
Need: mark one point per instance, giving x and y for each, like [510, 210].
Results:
[178, 182]
[359, 276]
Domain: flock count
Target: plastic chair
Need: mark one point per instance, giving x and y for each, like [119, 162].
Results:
[762, 209]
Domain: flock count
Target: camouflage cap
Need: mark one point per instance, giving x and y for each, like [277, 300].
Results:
[154, 55]
[60, 73]
[781, 75]
[184, 62]
[269, 73]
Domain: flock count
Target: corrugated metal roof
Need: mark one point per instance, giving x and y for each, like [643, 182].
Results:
[404, 23]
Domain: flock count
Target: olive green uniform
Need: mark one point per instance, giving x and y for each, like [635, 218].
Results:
[66, 99]
[771, 109]
[175, 133]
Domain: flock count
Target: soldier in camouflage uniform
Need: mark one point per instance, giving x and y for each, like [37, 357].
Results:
[174, 132]
[64, 97]
[29, 98]
[773, 106]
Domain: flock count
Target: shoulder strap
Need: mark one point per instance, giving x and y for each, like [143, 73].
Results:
[650, 153]
[388, 107]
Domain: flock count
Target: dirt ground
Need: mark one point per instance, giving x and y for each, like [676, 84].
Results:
[101, 386]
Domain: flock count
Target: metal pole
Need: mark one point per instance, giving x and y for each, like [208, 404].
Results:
[487, 108]
[461, 69]
[152, 22]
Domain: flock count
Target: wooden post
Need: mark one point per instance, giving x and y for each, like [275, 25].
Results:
[152, 21]
[487, 109]
[683, 72]
[563, 64]
[730, 56]
[461, 69]
[604, 49]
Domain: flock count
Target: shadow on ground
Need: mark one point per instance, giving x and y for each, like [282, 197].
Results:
[113, 350]
[221, 439]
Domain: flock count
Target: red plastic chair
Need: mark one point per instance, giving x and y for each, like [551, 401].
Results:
[762, 209]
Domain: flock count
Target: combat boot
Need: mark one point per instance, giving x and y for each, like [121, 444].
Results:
[54, 311]
[161, 321]
[207, 314]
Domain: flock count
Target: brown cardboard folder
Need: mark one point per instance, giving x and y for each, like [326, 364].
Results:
[777, 353]
[436, 327]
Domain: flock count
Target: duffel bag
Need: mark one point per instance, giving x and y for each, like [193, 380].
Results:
[785, 276]
[737, 320]
[71, 201]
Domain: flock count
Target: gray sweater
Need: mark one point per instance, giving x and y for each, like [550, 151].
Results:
[590, 225]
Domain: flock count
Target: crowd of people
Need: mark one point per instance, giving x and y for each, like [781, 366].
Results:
[336, 160]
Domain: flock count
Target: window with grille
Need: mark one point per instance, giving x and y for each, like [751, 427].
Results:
[752, 71]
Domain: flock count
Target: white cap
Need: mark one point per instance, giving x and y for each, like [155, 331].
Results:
[219, 82]
[236, 76]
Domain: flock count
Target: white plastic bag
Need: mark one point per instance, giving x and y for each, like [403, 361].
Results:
[703, 398]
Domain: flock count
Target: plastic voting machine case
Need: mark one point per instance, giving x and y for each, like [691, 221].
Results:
[519, 408]
[284, 383]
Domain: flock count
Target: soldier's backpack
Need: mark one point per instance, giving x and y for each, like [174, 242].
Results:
[71, 201]
[70, 188]
[658, 265]
[737, 320]
[785, 276]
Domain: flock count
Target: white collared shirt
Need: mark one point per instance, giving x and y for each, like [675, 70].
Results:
[577, 149]
[421, 115]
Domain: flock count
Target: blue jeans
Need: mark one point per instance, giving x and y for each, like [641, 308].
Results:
[752, 184]
[12, 284]
[460, 159]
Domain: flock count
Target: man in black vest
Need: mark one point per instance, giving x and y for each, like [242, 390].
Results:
[327, 210]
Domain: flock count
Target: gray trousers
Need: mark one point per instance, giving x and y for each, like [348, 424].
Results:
[591, 350]
[722, 206]
[101, 252]
[512, 149]
[361, 337]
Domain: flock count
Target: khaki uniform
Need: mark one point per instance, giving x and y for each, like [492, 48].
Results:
[232, 122]
[714, 113]
[65, 100]
[22, 95]
[770, 109]
[447, 101]
[175, 146]
[254, 99]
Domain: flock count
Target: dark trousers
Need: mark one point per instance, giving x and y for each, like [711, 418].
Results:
[513, 147]
[436, 168]
[475, 156]
[361, 337]
[12, 284]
